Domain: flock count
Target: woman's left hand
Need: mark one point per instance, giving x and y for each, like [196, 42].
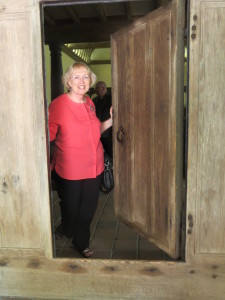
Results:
[111, 112]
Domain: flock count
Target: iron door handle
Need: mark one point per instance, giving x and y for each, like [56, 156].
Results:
[120, 135]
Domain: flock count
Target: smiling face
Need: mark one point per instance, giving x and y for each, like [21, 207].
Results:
[80, 80]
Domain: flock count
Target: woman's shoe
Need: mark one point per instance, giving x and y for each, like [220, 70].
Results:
[87, 252]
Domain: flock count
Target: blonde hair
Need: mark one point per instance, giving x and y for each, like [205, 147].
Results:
[77, 65]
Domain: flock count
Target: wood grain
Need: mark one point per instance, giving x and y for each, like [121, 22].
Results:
[148, 100]
[27, 268]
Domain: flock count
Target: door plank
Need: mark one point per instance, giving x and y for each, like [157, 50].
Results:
[206, 147]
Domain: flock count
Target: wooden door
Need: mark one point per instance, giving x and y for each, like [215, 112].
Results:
[147, 73]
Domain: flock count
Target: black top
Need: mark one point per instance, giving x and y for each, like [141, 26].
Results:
[102, 106]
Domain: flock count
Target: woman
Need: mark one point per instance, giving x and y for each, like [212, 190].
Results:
[78, 154]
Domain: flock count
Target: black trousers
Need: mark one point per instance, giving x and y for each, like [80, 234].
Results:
[79, 199]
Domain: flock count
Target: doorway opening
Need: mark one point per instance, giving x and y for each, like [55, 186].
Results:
[70, 26]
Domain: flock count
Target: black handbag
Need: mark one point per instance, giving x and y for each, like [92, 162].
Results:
[107, 179]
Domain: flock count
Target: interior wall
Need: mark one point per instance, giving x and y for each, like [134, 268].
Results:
[103, 71]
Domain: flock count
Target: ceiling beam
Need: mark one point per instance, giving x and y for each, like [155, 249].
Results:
[99, 45]
[100, 62]
[73, 14]
[72, 55]
[161, 2]
[129, 11]
[75, 57]
[101, 12]
[48, 19]
[80, 28]
[83, 32]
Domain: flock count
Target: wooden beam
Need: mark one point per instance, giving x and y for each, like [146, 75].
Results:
[75, 57]
[73, 14]
[100, 62]
[71, 54]
[83, 32]
[162, 2]
[42, 278]
[49, 19]
[129, 11]
[89, 45]
[101, 11]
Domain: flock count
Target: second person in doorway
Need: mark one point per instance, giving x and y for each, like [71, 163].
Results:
[103, 103]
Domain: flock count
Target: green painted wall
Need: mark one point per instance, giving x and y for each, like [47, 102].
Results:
[103, 72]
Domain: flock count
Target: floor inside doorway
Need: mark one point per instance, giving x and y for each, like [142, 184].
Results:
[110, 238]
